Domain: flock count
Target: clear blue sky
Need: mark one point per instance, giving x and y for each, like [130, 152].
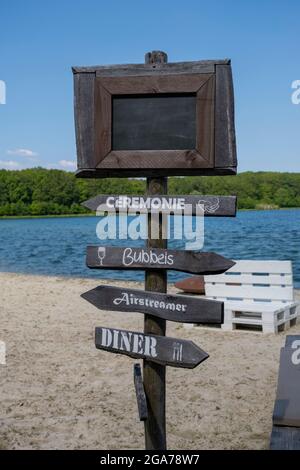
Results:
[41, 40]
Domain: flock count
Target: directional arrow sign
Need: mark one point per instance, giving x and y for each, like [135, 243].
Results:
[220, 206]
[161, 349]
[102, 257]
[177, 308]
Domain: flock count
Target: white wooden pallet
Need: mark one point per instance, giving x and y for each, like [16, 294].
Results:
[256, 294]
[269, 321]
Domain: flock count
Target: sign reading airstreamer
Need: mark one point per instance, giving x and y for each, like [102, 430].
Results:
[177, 308]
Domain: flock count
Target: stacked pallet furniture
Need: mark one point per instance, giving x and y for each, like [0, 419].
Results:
[286, 417]
[257, 293]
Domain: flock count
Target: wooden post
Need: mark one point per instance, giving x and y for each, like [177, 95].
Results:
[156, 281]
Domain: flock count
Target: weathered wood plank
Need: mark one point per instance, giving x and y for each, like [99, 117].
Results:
[84, 118]
[111, 257]
[287, 403]
[151, 172]
[178, 308]
[203, 66]
[140, 392]
[133, 86]
[225, 142]
[103, 130]
[161, 160]
[159, 349]
[205, 110]
[155, 374]
[285, 438]
[212, 206]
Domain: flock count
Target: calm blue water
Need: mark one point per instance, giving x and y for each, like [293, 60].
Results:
[57, 246]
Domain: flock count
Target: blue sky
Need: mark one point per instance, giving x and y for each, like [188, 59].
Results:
[41, 40]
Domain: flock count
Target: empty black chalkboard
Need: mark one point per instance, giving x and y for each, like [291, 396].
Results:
[154, 122]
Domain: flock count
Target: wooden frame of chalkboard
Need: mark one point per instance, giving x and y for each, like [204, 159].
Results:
[100, 154]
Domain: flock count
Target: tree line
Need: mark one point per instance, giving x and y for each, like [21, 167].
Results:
[38, 191]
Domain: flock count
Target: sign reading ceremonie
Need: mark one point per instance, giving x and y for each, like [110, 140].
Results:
[214, 206]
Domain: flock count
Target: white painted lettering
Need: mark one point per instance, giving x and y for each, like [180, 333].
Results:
[132, 299]
[296, 354]
[106, 337]
[125, 340]
[138, 344]
[150, 346]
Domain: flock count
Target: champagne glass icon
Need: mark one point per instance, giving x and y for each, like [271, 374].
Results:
[101, 254]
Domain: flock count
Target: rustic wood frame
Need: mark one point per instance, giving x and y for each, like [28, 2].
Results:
[215, 138]
[202, 155]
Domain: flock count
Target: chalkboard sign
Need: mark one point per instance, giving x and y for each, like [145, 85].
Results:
[146, 122]
[155, 119]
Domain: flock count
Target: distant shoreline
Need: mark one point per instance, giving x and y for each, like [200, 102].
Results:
[100, 280]
[62, 216]
[40, 192]
[50, 216]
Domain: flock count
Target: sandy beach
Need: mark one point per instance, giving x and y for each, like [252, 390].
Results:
[57, 391]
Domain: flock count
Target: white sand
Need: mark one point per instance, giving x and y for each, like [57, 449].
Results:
[58, 391]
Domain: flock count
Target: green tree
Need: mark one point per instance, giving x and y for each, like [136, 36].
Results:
[38, 191]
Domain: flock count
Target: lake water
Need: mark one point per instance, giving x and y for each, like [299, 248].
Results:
[56, 246]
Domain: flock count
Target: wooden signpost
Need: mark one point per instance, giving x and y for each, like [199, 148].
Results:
[155, 120]
[108, 257]
[159, 349]
[155, 374]
[211, 206]
[178, 308]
